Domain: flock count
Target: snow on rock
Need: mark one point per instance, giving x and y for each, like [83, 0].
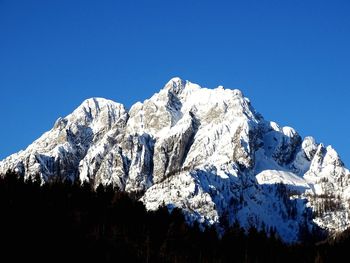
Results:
[289, 179]
[57, 153]
[206, 151]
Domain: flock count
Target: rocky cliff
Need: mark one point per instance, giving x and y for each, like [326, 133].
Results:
[206, 151]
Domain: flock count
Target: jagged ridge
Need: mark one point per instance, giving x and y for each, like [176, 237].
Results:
[206, 151]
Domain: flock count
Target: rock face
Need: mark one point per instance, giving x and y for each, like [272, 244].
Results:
[206, 151]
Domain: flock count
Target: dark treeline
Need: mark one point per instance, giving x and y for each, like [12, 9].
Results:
[67, 222]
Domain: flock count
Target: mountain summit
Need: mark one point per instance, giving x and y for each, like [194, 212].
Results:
[206, 151]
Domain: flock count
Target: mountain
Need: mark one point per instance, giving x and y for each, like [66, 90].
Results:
[206, 151]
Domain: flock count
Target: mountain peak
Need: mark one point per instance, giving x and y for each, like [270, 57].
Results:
[205, 151]
[176, 81]
[179, 87]
[97, 105]
[175, 85]
[96, 113]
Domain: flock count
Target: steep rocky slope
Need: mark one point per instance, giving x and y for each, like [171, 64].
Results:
[206, 151]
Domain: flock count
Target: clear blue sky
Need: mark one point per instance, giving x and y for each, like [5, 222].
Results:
[291, 58]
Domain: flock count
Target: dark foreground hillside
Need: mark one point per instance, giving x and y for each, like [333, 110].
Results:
[65, 222]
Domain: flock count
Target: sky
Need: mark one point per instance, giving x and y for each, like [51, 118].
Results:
[291, 58]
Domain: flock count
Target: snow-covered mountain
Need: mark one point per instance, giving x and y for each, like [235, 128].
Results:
[206, 151]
